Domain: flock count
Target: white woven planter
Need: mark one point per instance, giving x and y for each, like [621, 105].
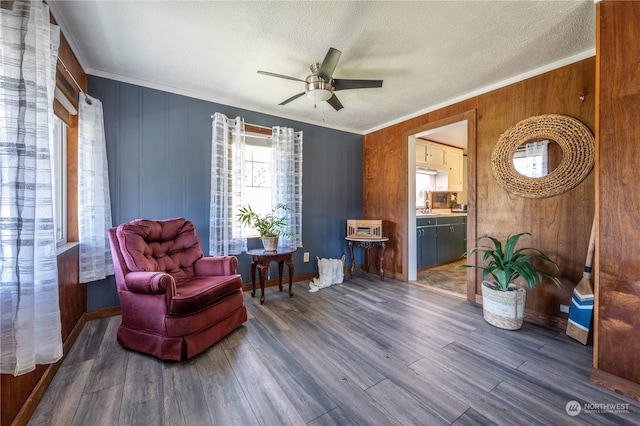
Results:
[503, 309]
[270, 243]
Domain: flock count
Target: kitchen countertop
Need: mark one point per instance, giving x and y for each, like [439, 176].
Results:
[440, 213]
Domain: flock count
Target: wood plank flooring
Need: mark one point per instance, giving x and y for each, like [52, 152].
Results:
[449, 277]
[365, 352]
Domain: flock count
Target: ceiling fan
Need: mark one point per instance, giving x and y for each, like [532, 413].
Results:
[320, 84]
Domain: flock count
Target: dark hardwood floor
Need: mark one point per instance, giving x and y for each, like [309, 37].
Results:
[365, 352]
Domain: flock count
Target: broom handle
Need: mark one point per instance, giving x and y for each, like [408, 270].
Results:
[592, 245]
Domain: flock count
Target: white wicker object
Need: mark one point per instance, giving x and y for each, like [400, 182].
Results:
[503, 309]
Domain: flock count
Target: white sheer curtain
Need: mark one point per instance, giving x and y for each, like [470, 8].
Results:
[227, 165]
[287, 161]
[30, 331]
[94, 202]
[537, 158]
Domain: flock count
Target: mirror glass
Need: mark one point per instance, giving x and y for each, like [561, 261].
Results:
[537, 157]
[567, 144]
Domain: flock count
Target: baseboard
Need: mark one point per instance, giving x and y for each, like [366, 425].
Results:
[30, 405]
[615, 383]
[551, 321]
[285, 281]
[297, 278]
[103, 313]
[555, 322]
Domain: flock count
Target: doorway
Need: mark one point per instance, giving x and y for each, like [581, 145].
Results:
[458, 132]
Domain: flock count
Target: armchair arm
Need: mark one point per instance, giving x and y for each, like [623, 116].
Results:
[150, 282]
[216, 266]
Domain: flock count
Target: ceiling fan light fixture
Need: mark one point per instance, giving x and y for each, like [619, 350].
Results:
[319, 95]
[317, 89]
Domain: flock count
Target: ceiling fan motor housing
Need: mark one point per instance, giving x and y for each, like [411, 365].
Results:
[318, 89]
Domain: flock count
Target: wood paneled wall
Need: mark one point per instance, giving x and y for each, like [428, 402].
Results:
[21, 394]
[617, 312]
[560, 225]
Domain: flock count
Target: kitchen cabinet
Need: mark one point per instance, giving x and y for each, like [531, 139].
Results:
[440, 239]
[427, 245]
[432, 155]
[442, 158]
[455, 164]
[421, 154]
[452, 238]
[437, 155]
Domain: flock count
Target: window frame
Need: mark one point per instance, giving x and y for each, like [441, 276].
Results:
[60, 175]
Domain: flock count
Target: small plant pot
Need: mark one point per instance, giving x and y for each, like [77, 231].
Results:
[503, 309]
[270, 243]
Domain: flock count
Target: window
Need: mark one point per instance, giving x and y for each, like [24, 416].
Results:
[257, 169]
[59, 179]
[258, 176]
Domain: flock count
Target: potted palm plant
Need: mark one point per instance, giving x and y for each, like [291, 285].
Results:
[502, 299]
[270, 225]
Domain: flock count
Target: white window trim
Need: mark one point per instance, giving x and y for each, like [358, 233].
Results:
[62, 158]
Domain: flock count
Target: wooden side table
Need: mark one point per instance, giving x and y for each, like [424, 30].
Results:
[262, 258]
[367, 244]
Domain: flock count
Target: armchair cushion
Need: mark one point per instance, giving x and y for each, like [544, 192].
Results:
[197, 293]
[170, 246]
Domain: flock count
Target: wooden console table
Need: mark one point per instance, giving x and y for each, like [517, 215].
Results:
[262, 258]
[367, 244]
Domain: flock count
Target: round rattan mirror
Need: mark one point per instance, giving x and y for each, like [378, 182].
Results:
[576, 160]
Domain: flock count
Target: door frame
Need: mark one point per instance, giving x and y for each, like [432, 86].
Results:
[409, 249]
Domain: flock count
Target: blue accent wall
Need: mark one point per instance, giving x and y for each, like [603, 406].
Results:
[159, 153]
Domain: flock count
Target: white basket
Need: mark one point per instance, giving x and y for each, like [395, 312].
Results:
[503, 309]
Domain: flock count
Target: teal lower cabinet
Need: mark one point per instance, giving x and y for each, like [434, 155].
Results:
[427, 244]
[451, 242]
[441, 239]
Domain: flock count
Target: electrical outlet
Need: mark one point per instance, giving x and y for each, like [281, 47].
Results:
[564, 308]
[306, 256]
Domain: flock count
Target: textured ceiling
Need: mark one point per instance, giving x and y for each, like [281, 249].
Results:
[429, 53]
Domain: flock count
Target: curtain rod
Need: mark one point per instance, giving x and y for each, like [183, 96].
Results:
[252, 125]
[86, 98]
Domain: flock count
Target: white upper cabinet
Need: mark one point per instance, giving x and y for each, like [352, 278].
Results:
[437, 155]
[433, 155]
[455, 164]
[421, 154]
[442, 157]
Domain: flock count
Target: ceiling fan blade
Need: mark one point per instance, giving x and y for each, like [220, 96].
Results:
[342, 84]
[335, 103]
[293, 98]
[329, 64]
[271, 74]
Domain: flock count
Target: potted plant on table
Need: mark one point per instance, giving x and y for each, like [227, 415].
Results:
[270, 225]
[502, 299]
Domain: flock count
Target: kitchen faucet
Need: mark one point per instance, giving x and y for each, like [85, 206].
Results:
[428, 206]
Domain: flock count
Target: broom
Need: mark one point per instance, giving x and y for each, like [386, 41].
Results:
[582, 299]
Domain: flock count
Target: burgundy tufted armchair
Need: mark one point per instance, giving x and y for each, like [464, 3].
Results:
[175, 302]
